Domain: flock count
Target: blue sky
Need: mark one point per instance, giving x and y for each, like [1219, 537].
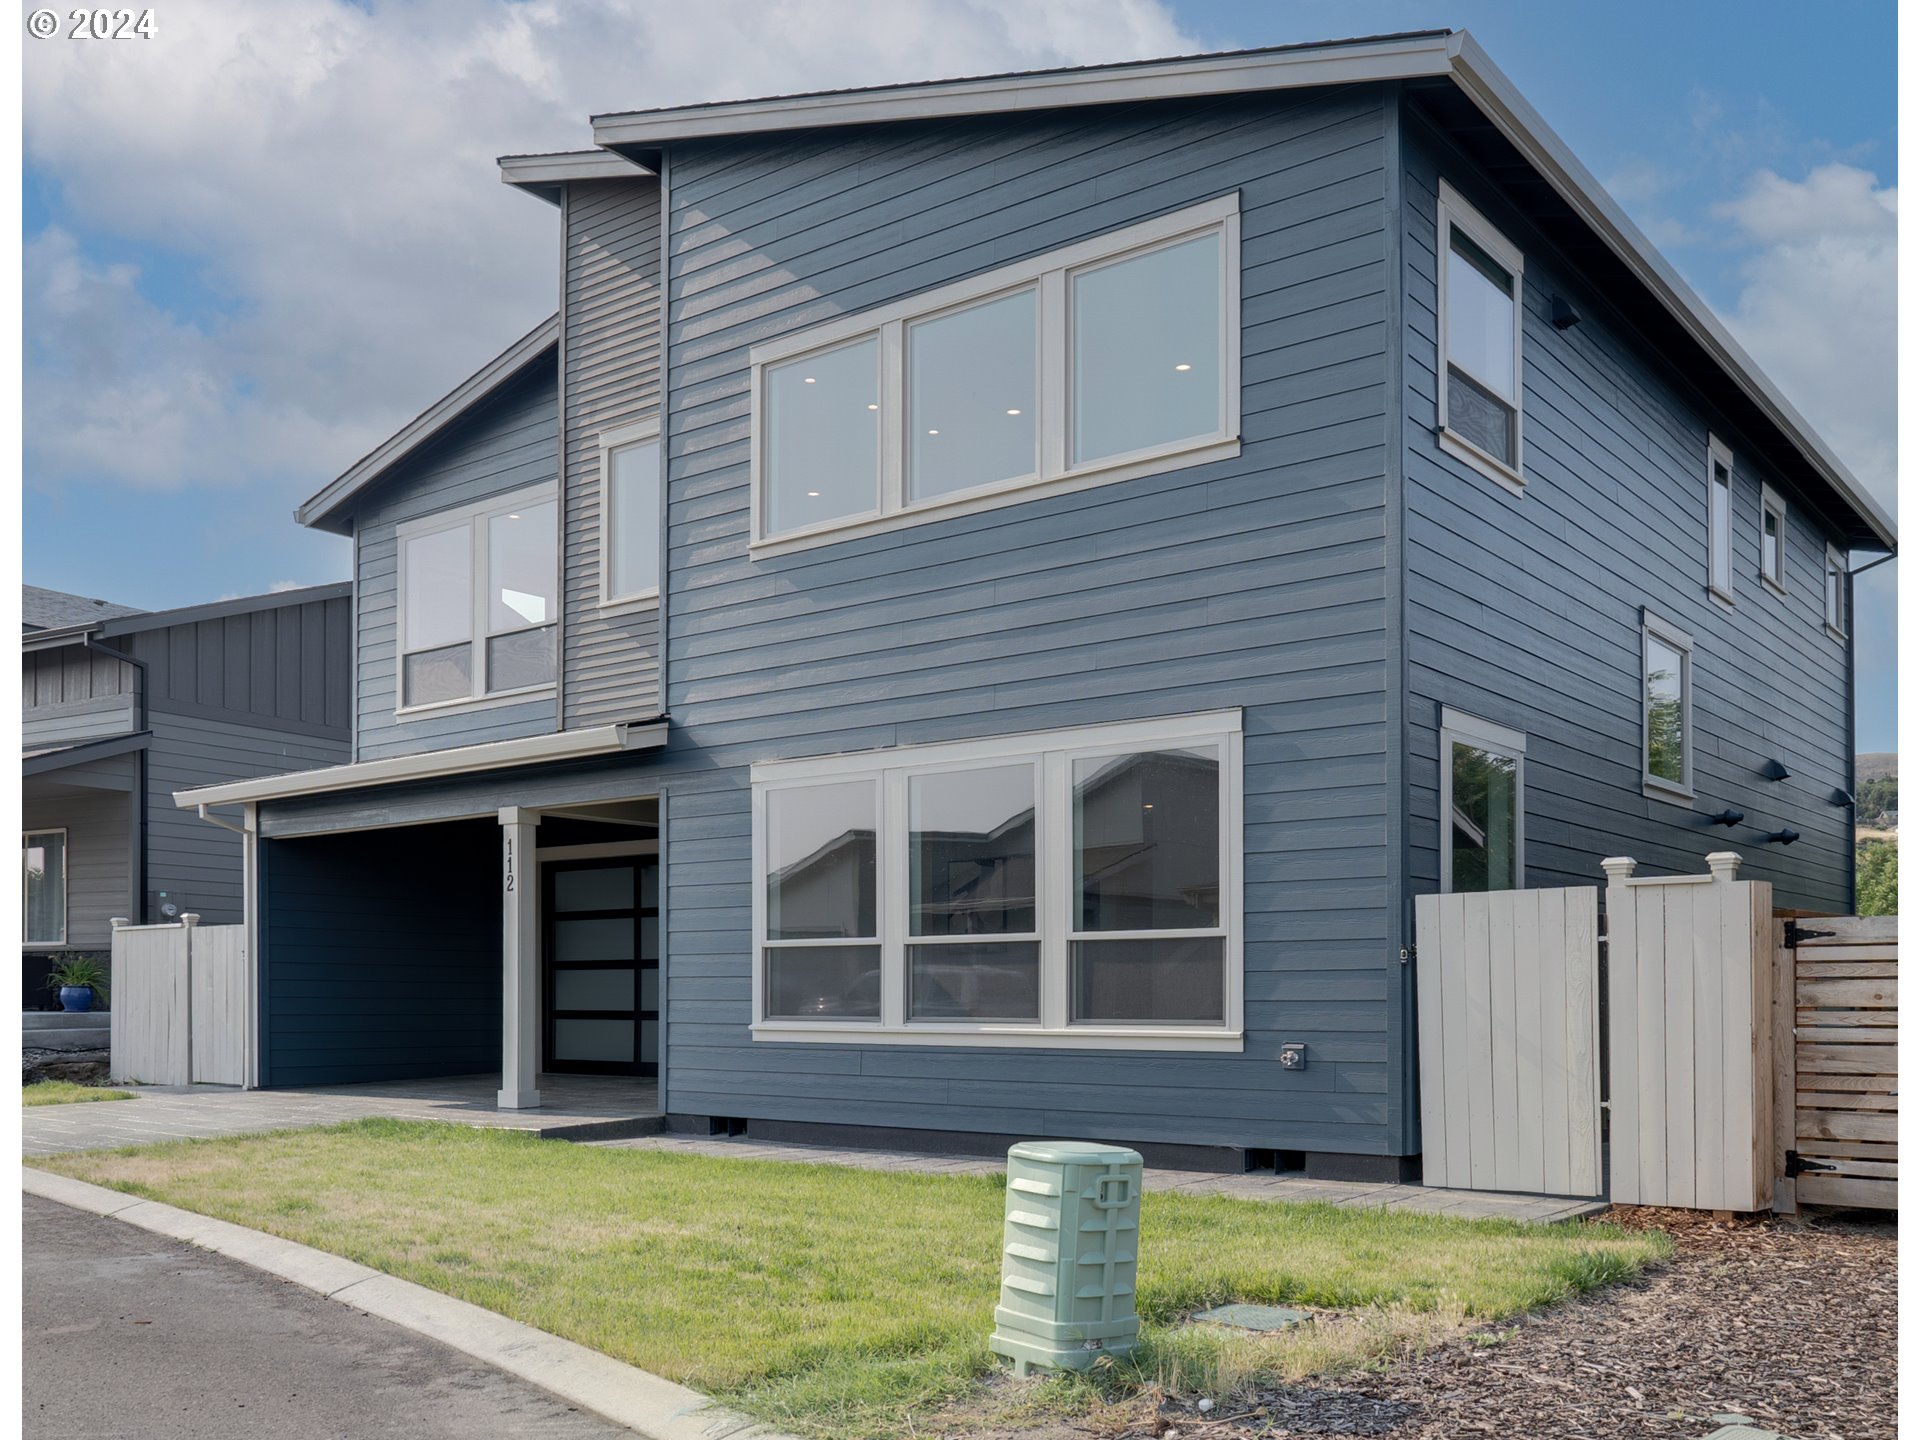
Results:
[259, 244]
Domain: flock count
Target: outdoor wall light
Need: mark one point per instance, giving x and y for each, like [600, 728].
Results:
[1565, 317]
[1773, 770]
[1780, 837]
[1729, 818]
[1840, 797]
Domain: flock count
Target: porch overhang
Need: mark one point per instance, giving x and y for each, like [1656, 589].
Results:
[433, 765]
[61, 757]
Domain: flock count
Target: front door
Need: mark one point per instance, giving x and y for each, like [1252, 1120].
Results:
[602, 965]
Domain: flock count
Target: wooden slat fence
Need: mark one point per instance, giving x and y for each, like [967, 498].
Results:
[1689, 1001]
[179, 1004]
[1837, 1086]
[1509, 1040]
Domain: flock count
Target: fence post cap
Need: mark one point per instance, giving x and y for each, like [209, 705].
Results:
[119, 921]
[1725, 864]
[189, 919]
[1619, 868]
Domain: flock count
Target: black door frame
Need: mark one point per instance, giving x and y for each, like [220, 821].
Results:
[549, 1013]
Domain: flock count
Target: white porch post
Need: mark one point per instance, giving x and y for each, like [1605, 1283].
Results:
[519, 959]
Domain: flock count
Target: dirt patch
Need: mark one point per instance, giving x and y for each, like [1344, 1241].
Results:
[1789, 1322]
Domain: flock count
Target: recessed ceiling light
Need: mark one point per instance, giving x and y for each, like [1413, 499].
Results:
[813, 494]
[873, 407]
[1147, 807]
[513, 517]
[806, 380]
[1013, 412]
[933, 432]
[1177, 367]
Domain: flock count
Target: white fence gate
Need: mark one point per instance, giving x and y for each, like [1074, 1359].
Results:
[179, 1004]
[1509, 1040]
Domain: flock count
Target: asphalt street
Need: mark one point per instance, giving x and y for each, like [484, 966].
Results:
[129, 1334]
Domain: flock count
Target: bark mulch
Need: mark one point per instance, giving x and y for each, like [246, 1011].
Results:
[1789, 1322]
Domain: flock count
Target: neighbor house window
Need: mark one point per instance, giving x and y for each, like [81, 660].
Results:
[1666, 709]
[1773, 538]
[1482, 805]
[1838, 596]
[1110, 358]
[43, 878]
[630, 514]
[478, 601]
[1719, 520]
[1068, 888]
[1479, 374]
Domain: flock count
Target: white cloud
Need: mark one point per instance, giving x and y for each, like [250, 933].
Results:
[328, 172]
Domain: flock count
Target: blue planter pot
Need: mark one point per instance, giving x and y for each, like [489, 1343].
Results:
[76, 999]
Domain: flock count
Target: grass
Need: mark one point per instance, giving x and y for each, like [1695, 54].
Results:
[65, 1092]
[837, 1301]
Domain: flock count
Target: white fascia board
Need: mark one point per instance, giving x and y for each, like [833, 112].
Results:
[1502, 103]
[1390, 59]
[543, 175]
[434, 764]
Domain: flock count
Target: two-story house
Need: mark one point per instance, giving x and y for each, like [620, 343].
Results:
[123, 707]
[989, 598]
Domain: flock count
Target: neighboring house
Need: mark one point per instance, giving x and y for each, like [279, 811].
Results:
[990, 599]
[119, 709]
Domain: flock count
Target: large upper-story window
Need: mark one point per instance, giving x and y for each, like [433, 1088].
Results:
[43, 887]
[1067, 888]
[1666, 713]
[478, 601]
[1719, 521]
[1111, 358]
[1479, 374]
[630, 514]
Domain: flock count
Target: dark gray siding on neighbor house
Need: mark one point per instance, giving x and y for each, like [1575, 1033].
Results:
[281, 665]
[506, 444]
[381, 955]
[1526, 611]
[1257, 582]
[612, 361]
[71, 693]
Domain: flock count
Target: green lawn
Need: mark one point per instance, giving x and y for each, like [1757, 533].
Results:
[837, 1301]
[65, 1092]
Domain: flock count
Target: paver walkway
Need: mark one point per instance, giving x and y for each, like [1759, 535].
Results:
[1462, 1204]
[177, 1112]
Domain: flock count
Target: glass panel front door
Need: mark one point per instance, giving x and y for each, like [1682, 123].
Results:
[602, 924]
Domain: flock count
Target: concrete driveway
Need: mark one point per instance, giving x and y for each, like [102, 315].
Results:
[127, 1334]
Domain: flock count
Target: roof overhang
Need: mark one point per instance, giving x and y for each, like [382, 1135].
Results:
[325, 510]
[1450, 55]
[547, 175]
[433, 764]
[84, 752]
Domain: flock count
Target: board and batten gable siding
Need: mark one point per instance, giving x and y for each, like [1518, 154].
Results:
[283, 666]
[1526, 610]
[506, 444]
[72, 693]
[612, 361]
[1258, 582]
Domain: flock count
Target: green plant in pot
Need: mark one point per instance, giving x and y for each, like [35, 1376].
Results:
[80, 979]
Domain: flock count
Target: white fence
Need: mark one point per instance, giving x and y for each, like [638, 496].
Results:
[1509, 1040]
[179, 1004]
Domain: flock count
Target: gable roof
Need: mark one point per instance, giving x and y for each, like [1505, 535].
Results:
[540, 345]
[42, 609]
[1467, 92]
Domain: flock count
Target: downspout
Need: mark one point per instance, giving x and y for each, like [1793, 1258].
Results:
[138, 900]
[565, 468]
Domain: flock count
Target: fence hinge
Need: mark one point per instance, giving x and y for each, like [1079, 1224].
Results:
[1797, 933]
[1798, 1164]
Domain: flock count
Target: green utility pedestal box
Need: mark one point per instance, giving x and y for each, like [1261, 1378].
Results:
[1067, 1262]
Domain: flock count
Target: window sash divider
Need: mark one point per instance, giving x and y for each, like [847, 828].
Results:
[893, 874]
[1213, 932]
[1018, 938]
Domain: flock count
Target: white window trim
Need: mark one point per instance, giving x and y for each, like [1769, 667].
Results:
[1455, 212]
[1457, 725]
[474, 517]
[66, 887]
[611, 440]
[1772, 500]
[1655, 786]
[1836, 561]
[1719, 453]
[1049, 276]
[1052, 752]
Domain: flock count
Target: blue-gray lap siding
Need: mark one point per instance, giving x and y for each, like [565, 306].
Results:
[1526, 610]
[506, 444]
[1257, 582]
[380, 955]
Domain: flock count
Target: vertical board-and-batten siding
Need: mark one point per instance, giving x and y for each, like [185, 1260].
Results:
[1525, 610]
[72, 693]
[1255, 582]
[612, 380]
[284, 666]
[508, 443]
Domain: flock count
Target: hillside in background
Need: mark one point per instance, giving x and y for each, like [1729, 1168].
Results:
[1877, 846]
[1875, 765]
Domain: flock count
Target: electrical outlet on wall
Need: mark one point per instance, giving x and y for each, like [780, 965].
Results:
[1293, 1057]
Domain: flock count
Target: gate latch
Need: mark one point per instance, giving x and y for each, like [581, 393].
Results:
[1797, 933]
[1798, 1164]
